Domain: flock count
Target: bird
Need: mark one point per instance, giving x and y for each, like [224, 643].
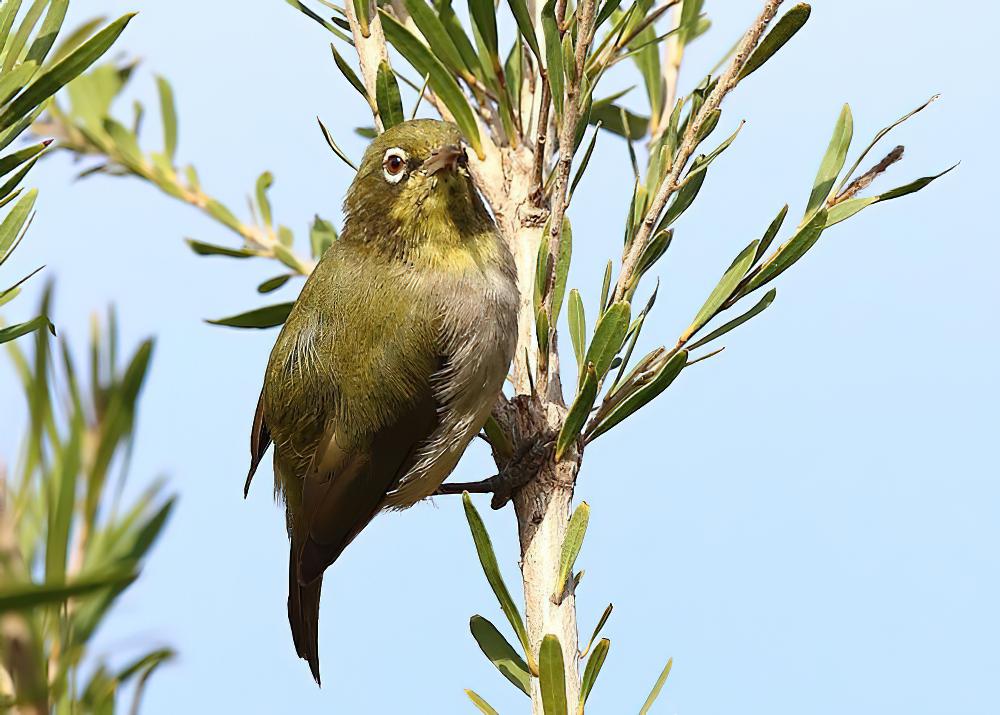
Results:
[391, 358]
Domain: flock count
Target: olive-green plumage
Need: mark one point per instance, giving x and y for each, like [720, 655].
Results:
[391, 358]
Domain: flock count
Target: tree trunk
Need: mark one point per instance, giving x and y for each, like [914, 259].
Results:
[542, 506]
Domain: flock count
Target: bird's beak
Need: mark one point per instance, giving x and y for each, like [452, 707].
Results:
[450, 156]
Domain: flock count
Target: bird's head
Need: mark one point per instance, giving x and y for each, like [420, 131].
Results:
[414, 184]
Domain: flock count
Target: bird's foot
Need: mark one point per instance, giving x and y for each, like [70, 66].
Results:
[520, 470]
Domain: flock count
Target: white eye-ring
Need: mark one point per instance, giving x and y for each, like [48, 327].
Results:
[394, 164]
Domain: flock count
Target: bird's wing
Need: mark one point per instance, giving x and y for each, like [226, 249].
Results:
[348, 400]
[339, 500]
[260, 440]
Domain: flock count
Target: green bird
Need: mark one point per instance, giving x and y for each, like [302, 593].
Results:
[391, 358]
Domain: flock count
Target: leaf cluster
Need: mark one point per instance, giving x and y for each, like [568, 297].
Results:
[70, 547]
[32, 69]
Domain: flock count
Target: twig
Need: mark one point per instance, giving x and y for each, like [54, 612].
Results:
[864, 181]
[670, 184]
[567, 133]
[371, 51]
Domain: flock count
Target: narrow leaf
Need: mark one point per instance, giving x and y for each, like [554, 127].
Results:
[642, 396]
[575, 531]
[484, 707]
[390, 106]
[168, 114]
[723, 290]
[761, 305]
[833, 161]
[784, 29]
[576, 418]
[488, 560]
[441, 81]
[267, 317]
[552, 677]
[496, 648]
[62, 72]
[577, 326]
[790, 252]
[609, 334]
[522, 16]
[655, 692]
[553, 54]
[594, 664]
[845, 209]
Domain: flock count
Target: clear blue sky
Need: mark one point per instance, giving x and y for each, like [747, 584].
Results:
[807, 523]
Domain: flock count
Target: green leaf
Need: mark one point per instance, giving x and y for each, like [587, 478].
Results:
[13, 82]
[575, 531]
[761, 305]
[483, 14]
[553, 55]
[273, 284]
[362, 12]
[14, 221]
[433, 30]
[125, 142]
[655, 692]
[267, 317]
[503, 449]
[20, 39]
[264, 182]
[609, 334]
[585, 161]
[495, 647]
[456, 32]
[723, 290]
[576, 418]
[321, 21]
[620, 121]
[577, 326]
[593, 668]
[13, 332]
[334, 147]
[390, 106]
[597, 629]
[349, 74]
[605, 286]
[833, 162]
[223, 215]
[60, 511]
[15, 159]
[168, 114]
[561, 268]
[484, 707]
[643, 395]
[784, 29]
[209, 249]
[845, 209]
[322, 234]
[771, 233]
[22, 597]
[488, 560]
[552, 677]
[62, 72]
[522, 16]
[685, 196]
[441, 81]
[790, 252]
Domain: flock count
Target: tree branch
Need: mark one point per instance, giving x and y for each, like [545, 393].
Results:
[671, 183]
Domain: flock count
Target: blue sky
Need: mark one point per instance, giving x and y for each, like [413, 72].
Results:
[807, 523]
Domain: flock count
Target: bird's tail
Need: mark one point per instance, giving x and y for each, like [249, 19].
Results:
[303, 615]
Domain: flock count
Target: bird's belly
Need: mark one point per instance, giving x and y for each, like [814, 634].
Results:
[479, 346]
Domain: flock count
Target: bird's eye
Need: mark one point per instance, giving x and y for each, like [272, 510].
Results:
[394, 164]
